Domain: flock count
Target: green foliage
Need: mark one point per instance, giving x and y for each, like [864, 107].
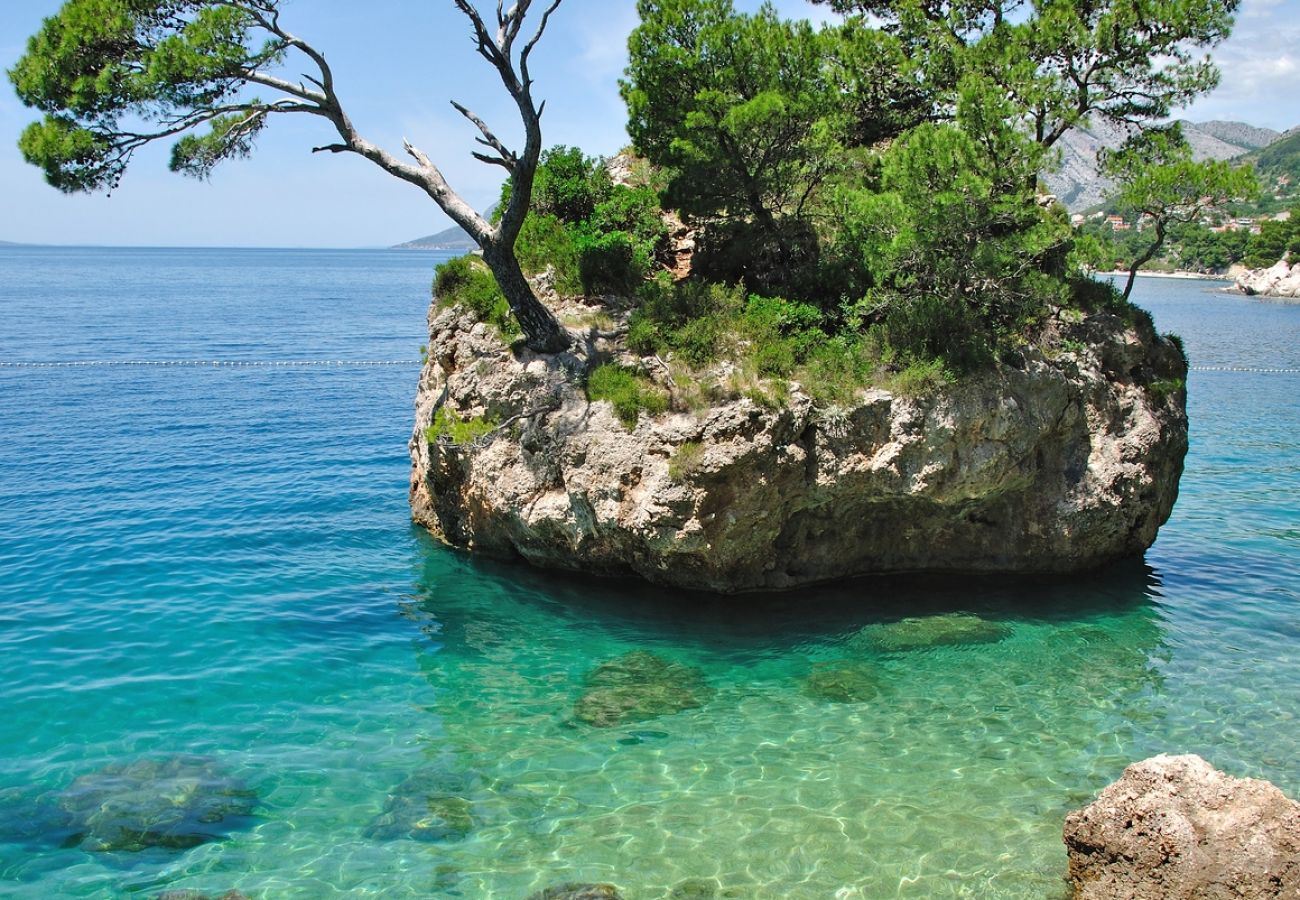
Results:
[600, 237]
[1158, 180]
[958, 253]
[545, 240]
[685, 460]
[1163, 388]
[1274, 240]
[466, 281]
[449, 426]
[628, 392]
[569, 185]
[732, 104]
[1061, 62]
[170, 64]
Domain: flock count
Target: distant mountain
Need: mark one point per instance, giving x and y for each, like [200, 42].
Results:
[453, 238]
[1280, 159]
[1078, 185]
[1239, 134]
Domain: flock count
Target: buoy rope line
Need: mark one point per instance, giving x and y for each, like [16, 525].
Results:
[371, 363]
[214, 363]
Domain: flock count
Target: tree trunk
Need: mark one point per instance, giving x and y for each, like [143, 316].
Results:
[542, 330]
[1145, 257]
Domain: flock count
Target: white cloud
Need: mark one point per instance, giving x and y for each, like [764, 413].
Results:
[1260, 64]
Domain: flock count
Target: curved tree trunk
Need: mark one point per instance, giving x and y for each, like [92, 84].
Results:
[542, 330]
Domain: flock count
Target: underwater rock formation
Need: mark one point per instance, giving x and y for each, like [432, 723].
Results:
[924, 632]
[175, 802]
[1175, 828]
[431, 805]
[843, 681]
[638, 686]
[576, 891]
[1054, 461]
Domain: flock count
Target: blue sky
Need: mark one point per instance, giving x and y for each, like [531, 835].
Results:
[397, 64]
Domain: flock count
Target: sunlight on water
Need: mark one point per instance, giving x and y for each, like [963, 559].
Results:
[210, 595]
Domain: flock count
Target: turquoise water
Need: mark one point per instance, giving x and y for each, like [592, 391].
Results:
[216, 561]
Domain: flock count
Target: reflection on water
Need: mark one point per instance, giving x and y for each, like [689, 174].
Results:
[957, 722]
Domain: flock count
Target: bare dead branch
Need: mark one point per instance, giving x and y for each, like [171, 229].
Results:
[488, 139]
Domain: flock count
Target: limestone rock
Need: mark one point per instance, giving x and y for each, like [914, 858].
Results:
[430, 805]
[639, 686]
[843, 681]
[1053, 462]
[576, 891]
[175, 802]
[1279, 280]
[1174, 828]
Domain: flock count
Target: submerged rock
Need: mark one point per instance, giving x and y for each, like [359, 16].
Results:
[843, 681]
[578, 891]
[924, 632]
[1175, 828]
[1055, 461]
[429, 806]
[174, 802]
[638, 686]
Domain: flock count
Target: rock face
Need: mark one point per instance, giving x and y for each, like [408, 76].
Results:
[1175, 828]
[1279, 280]
[1063, 461]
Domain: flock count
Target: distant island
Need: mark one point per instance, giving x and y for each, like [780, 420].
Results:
[454, 238]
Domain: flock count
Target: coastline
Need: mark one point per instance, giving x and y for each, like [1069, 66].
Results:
[1185, 276]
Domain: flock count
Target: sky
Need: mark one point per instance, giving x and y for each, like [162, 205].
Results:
[397, 64]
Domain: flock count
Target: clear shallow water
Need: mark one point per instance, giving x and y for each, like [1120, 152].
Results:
[217, 561]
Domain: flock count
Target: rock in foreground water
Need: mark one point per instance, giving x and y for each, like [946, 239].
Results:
[1058, 460]
[577, 891]
[174, 802]
[431, 805]
[843, 681]
[638, 686]
[1175, 828]
[925, 632]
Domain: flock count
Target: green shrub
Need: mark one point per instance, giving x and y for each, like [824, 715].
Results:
[569, 185]
[544, 241]
[465, 281]
[838, 369]
[607, 263]
[447, 424]
[685, 461]
[929, 327]
[1163, 388]
[628, 392]
[919, 377]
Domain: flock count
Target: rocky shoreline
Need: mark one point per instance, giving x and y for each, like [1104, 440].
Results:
[1280, 280]
[1175, 828]
[1059, 461]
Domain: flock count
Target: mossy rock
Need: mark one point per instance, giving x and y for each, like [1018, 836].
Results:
[923, 633]
[173, 802]
[637, 686]
[578, 891]
[428, 806]
[843, 681]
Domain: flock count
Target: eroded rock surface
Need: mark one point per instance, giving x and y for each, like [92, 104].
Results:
[1279, 280]
[1175, 828]
[1059, 461]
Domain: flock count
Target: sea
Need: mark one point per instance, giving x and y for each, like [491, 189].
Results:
[212, 600]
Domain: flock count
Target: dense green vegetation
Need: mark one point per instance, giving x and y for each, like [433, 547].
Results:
[864, 197]
[449, 426]
[466, 281]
